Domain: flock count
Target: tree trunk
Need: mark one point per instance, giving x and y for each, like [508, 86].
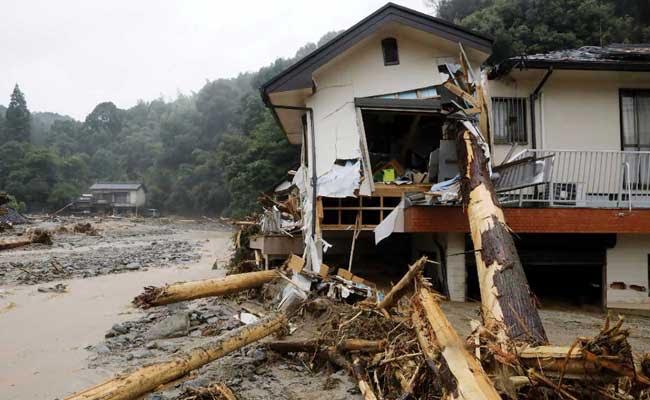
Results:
[145, 379]
[458, 371]
[12, 244]
[509, 306]
[398, 290]
[156, 296]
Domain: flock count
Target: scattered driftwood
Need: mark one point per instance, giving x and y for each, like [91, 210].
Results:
[35, 236]
[145, 379]
[400, 288]
[459, 372]
[86, 228]
[182, 291]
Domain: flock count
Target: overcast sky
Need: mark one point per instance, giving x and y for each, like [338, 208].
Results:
[67, 55]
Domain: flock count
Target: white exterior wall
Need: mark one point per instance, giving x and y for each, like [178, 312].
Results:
[360, 72]
[580, 108]
[137, 198]
[627, 262]
[456, 272]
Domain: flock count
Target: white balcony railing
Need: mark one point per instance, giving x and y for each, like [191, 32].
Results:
[579, 178]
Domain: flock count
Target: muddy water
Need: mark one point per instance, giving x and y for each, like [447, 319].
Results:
[42, 335]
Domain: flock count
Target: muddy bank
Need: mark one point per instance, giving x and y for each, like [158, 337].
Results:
[116, 246]
[44, 335]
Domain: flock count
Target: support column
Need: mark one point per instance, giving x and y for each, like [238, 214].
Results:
[456, 272]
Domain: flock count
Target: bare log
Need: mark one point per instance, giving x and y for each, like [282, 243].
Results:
[509, 305]
[316, 346]
[182, 291]
[145, 379]
[36, 236]
[367, 346]
[458, 371]
[400, 288]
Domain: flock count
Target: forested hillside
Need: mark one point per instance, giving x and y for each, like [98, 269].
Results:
[209, 152]
[213, 151]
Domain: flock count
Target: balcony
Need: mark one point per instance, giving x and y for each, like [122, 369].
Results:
[576, 178]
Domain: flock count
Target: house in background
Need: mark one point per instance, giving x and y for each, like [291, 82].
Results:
[367, 111]
[118, 197]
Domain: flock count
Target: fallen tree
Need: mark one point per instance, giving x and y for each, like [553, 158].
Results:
[135, 384]
[182, 291]
[400, 288]
[35, 236]
[508, 304]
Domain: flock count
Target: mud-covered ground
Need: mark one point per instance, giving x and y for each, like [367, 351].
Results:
[121, 245]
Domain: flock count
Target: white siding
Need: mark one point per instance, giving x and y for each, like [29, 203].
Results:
[360, 72]
[580, 108]
[628, 263]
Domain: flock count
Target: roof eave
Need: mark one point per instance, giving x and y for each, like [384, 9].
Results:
[389, 12]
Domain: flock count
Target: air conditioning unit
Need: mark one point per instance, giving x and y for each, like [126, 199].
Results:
[568, 194]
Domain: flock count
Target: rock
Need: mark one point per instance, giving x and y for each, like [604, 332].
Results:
[121, 329]
[101, 348]
[175, 325]
[132, 266]
[142, 354]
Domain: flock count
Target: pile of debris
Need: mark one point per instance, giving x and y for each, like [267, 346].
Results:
[395, 345]
[9, 216]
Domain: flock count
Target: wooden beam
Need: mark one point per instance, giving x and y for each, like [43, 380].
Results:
[421, 219]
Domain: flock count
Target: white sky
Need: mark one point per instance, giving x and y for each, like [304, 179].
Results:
[69, 55]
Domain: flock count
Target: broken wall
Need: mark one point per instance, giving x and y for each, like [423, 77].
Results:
[628, 270]
[360, 72]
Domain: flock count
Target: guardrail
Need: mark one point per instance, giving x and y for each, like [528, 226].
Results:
[582, 178]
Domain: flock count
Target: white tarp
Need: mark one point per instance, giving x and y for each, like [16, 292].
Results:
[340, 180]
[394, 222]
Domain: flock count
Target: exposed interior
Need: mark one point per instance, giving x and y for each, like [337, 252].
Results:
[383, 264]
[411, 143]
[561, 268]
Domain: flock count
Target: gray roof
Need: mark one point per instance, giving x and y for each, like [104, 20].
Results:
[116, 186]
[615, 57]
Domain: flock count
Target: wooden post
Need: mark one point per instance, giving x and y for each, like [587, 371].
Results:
[156, 296]
[141, 381]
[509, 306]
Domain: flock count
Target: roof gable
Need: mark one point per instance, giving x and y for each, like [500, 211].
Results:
[299, 75]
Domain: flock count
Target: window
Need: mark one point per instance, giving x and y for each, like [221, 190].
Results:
[635, 136]
[389, 48]
[509, 120]
[635, 119]
[121, 198]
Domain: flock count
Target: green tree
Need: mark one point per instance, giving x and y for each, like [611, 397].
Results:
[17, 117]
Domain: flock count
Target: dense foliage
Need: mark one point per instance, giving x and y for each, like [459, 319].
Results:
[537, 26]
[213, 151]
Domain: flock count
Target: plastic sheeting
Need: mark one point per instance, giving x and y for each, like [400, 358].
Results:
[341, 180]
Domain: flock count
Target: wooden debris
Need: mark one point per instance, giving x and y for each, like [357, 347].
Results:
[182, 291]
[398, 290]
[315, 346]
[459, 372]
[35, 236]
[145, 379]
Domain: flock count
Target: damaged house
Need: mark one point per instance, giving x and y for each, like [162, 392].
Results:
[569, 145]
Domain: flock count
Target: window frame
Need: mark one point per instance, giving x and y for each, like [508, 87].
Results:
[510, 140]
[389, 41]
[633, 93]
